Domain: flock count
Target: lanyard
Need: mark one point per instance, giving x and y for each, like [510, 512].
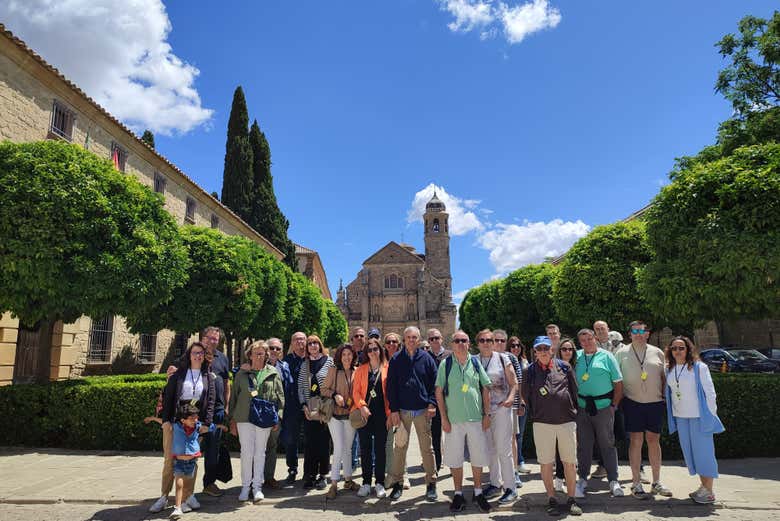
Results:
[349, 384]
[677, 375]
[588, 361]
[642, 361]
[194, 380]
[485, 366]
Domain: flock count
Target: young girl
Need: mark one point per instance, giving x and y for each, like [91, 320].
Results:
[185, 451]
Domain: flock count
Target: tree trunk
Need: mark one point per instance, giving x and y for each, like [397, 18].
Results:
[229, 348]
[43, 369]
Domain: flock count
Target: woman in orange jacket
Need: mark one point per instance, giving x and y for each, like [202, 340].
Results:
[369, 396]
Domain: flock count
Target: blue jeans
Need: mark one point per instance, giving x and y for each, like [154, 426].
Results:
[291, 431]
[522, 420]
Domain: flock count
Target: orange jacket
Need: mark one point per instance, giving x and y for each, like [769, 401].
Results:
[360, 387]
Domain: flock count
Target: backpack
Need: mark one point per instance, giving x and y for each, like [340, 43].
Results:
[448, 368]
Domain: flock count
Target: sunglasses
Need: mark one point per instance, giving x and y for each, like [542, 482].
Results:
[359, 336]
[391, 341]
[373, 350]
[514, 346]
[275, 348]
[638, 331]
[196, 353]
[679, 348]
[460, 340]
[485, 340]
[542, 347]
[313, 344]
[565, 349]
[500, 340]
[433, 338]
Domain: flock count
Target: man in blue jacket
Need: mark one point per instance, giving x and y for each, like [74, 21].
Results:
[411, 384]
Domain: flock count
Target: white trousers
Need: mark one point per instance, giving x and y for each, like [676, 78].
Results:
[253, 440]
[342, 434]
[500, 448]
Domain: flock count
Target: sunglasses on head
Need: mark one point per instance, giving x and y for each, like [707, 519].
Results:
[460, 340]
[485, 340]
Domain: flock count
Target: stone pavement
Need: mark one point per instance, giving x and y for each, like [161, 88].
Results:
[54, 484]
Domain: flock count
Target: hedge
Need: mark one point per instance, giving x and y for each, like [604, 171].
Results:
[106, 413]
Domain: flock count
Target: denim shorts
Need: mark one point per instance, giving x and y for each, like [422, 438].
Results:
[184, 468]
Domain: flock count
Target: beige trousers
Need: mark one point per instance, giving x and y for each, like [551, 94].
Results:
[422, 426]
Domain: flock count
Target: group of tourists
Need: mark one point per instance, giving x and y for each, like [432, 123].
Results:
[366, 397]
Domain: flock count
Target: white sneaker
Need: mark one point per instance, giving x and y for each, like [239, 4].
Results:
[558, 485]
[159, 505]
[407, 485]
[704, 496]
[258, 495]
[176, 514]
[364, 490]
[579, 489]
[523, 469]
[380, 491]
[244, 495]
[185, 508]
[615, 489]
[192, 502]
[638, 491]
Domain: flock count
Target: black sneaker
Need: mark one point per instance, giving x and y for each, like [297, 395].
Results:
[491, 492]
[552, 507]
[291, 477]
[482, 503]
[398, 489]
[430, 492]
[321, 483]
[573, 507]
[458, 503]
[308, 482]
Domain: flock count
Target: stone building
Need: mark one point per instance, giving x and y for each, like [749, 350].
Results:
[399, 287]
[310, 265]
[37, 103]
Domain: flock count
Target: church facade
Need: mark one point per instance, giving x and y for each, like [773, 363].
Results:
[398, 287]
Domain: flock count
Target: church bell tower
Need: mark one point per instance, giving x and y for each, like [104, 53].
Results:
[437, 241]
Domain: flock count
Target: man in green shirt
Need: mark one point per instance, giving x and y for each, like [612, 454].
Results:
[464, 403]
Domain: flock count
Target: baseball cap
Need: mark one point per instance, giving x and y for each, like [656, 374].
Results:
[373, 333]
[542, 340]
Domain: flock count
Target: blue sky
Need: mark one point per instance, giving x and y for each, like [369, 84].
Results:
[365, 104]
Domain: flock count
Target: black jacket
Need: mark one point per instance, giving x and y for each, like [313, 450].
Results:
[172, 396]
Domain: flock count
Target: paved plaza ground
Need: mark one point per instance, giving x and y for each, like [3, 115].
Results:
[51, 484]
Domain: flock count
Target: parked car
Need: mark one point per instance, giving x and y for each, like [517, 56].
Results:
[738, 361]
[773, 353]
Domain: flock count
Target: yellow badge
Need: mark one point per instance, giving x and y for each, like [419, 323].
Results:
[372, 394]
[543, 391]
[253, 393]
[313, 387]
[585, 377]
[644, 375]
[349, 402]
[465, 388]
[193, 402]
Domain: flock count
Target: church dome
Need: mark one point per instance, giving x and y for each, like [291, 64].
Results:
[435, 204]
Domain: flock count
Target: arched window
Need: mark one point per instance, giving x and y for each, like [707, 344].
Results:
[436, 226]
[400, 282]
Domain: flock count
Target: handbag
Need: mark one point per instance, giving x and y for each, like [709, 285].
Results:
[262, 413]
[355, 418]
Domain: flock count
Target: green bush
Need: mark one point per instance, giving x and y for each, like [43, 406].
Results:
[106, 413]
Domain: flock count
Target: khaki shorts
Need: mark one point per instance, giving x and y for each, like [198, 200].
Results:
[545, 437]
[455, 441]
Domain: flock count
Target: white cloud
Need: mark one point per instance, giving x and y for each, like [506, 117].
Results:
[521, 20]
[117, 51]
[512, 246]
[490, 17]
[462, 219]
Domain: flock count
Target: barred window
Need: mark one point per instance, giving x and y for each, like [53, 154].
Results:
[159, 183]
[214, 221]
[147, 351]
[101, 336]
[189, 216]
[180, 344]
[62, 120]
[394, 282]
[118, 157]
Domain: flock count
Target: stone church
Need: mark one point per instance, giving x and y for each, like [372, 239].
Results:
[399, 287]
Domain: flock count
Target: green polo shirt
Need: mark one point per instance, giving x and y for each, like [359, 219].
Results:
[462, 405]
[603, 371]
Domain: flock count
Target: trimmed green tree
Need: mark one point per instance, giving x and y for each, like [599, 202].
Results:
[336, 331]
[77, 237]
[266, 217]
[526, 300]
[237, 177]
[597, 280]
[148, 138]
[715, 230]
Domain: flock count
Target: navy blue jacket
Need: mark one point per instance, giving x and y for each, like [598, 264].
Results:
[294, 363]
[411, 381]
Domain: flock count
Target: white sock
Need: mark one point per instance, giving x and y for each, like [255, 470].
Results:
[477, 491]
[458, 492]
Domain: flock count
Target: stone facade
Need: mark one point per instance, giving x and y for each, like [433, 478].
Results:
[399, 287]
[31, 91]
[310, 265]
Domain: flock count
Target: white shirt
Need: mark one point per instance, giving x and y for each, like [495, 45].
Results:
[685, 399]
[192, 386]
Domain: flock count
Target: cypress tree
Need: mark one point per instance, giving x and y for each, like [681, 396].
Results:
[266, 217]
[148, 138]
[237, 177]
